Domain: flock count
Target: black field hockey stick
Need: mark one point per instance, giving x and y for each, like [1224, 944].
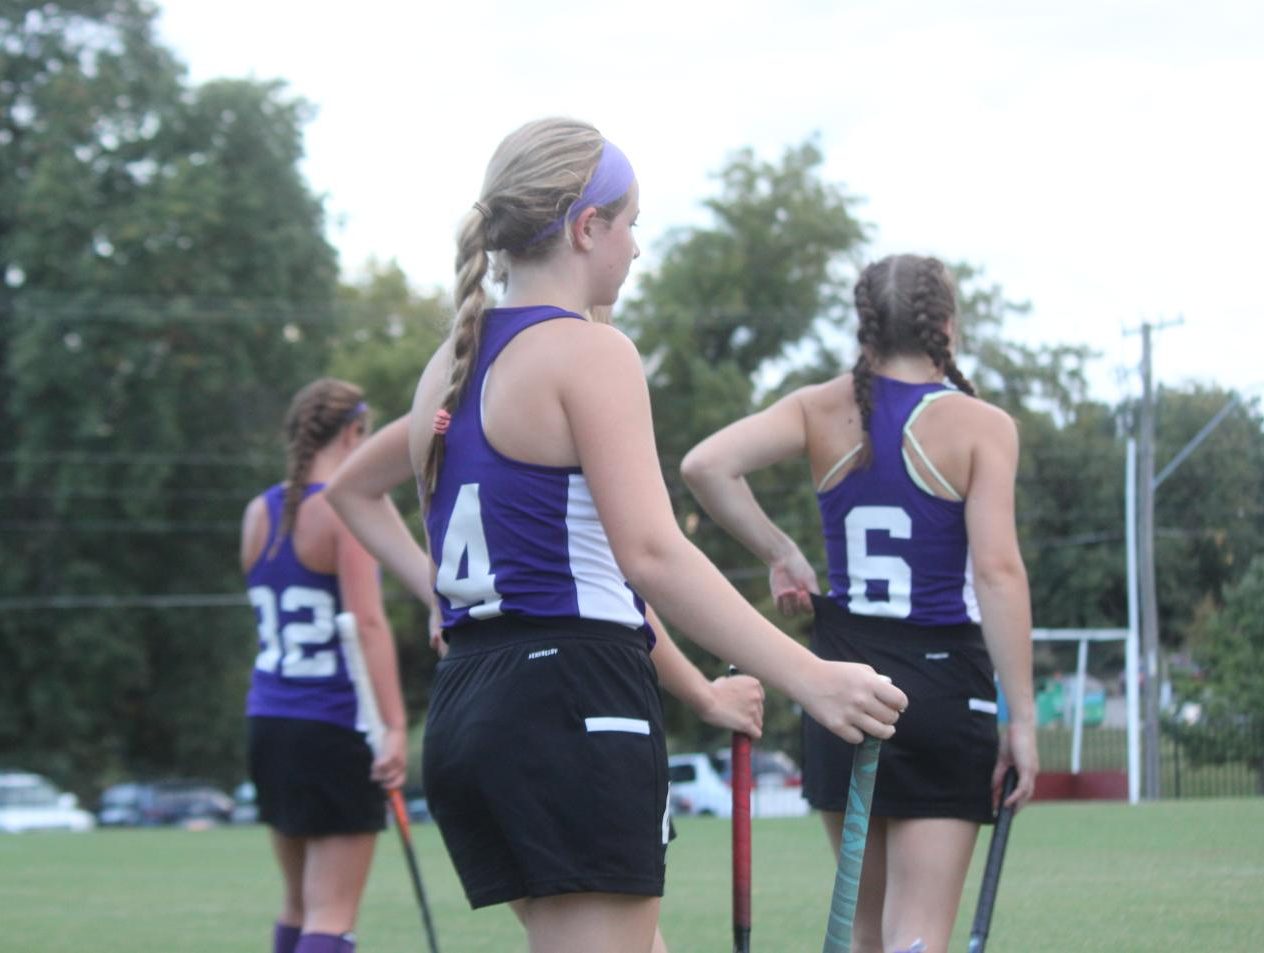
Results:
[851, 856]
[349, 633]
[740, 764]
[992, 870]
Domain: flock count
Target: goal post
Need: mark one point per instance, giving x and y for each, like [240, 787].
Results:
[1083, 638]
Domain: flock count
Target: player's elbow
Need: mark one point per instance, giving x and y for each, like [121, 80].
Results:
[336, 493]
[699, 469]
[999, 572]
[645, 561]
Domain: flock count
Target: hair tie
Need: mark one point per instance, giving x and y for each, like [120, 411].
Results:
[355, 412]
[483, 210]
[442, 420]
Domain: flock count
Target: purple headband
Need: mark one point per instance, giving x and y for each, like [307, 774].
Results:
[355, 412]
[610, 180]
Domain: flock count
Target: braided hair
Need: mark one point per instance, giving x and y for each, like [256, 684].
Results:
[904, 305]
[316, 416]
[536, 174]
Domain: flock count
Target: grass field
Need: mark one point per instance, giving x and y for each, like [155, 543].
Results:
[1178, 876]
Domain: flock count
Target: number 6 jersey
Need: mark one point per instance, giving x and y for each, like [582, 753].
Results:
[510, 537]
[894, 548]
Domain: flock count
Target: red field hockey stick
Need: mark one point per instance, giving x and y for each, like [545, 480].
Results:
[740, 762]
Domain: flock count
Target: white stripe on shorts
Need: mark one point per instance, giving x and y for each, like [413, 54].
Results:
[635, 726]
[983, 705]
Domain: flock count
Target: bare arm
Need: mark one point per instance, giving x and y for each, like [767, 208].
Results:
[1000, 582]
[606, 402]
[734, 703]
[715, 471]
[252, 535]
[360, 493]
[358, 578]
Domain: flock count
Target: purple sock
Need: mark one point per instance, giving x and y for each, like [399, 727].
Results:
[285, 938]
[326, 943]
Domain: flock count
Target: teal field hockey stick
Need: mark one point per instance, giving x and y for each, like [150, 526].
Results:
[851, 857]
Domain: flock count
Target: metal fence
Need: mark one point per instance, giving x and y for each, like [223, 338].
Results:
[1224, 760]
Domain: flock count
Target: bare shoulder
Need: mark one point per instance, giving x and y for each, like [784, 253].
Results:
[977, 412]
[426, 400]
[590, 349]
[826, 404]
[254, 531]
[254, 509]
[831, 396]
[985, 427]
[988, 418]
[435, 374]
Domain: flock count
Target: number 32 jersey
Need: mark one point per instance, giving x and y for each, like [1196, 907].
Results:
[510, 537]
[300, 671]
[895, 549]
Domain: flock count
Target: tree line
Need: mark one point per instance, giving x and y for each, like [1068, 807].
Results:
[167, 286]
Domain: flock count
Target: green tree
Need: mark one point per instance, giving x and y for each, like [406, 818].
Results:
[718, 318]
[1209, 514]
[387, 333]
[1228, 642]
[165, 269]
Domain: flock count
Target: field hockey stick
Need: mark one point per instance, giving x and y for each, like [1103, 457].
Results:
[740, 762]
[371, 717]
[851, 856]
[992, 870]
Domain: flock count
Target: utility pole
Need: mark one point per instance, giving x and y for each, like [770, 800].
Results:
[1145, 570]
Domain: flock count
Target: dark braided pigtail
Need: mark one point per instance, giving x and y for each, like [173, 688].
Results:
[316, 416]
[869, 335]
[933, 307]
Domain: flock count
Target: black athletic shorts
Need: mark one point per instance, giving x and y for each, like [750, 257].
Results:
[940, 762]
[545, 764]
[312, 778]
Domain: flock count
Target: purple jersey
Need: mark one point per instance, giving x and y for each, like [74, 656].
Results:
[510, 537]
[300, 671]
[894, 548]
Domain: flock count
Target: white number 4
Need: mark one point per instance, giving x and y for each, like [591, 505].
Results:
[465, 538]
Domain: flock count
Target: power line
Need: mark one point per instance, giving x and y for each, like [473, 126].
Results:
[121, 527]
[143, 458]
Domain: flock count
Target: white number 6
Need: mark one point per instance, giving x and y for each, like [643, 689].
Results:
[864, 568]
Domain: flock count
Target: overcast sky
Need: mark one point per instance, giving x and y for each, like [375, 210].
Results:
[1102, 159]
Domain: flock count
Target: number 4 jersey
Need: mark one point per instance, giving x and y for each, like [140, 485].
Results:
[300, 671]
[896, 549]
[510, 537]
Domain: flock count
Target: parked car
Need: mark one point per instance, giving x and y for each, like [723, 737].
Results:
[30, 802]
[245, 804]
[418, 807]
[153, 803]
[768, 768]
[700, 785]
[697, 787]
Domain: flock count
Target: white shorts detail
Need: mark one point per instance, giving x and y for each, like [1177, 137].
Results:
[635, 726]
[983, 705]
